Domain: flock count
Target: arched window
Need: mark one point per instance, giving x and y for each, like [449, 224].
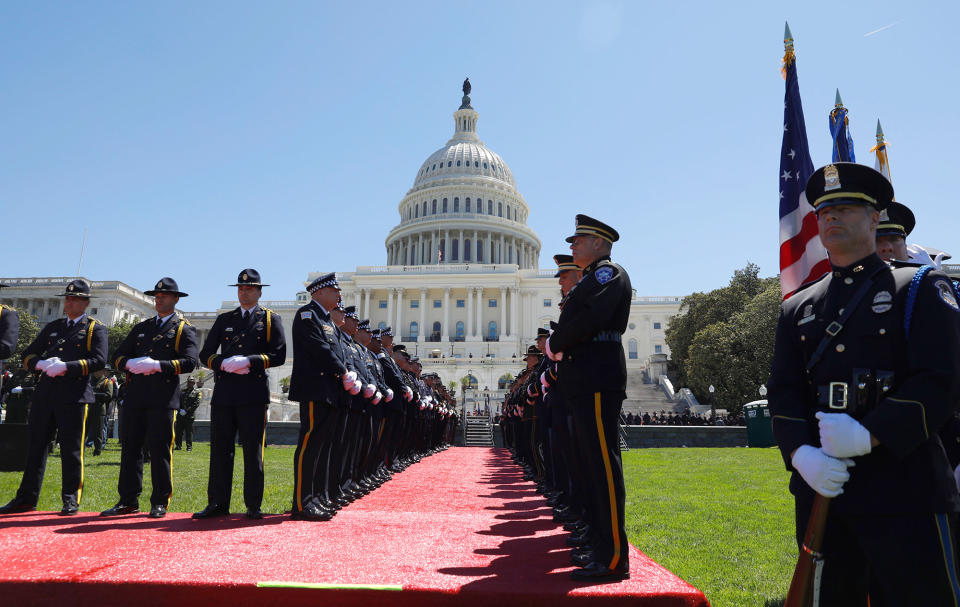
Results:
[424, 208]
[632, 348]
[467, 210]
[489, 207]
[499, 209]
[466, 249]
[472, 381]
[492, 331]
[435, 334]
[479, 251]
[456, 205]
[460, 330]
[503, 381]
[414, 331]
[434, 212]
[508, 211]
[444, 205]
[416, 211]
[456, 250]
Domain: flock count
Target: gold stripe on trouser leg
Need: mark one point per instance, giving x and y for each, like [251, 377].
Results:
[614, 525]
[83, 445]
[303, 447]
[263, 439]
[380, 431]
[173, 432]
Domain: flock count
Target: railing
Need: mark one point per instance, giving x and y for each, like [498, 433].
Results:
[442, 268]
[667, 386]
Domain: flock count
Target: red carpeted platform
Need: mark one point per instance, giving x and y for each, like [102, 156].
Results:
[459, 528]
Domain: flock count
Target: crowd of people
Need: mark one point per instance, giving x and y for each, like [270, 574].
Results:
[686, 418]
[366, 409]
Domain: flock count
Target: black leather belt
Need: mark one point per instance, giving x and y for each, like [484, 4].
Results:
[867, 389]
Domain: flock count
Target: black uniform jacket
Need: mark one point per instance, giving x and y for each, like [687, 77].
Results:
[9, 331]
[908, 471]
[318, 362]
[394, 380]
[174, 345]
[593, 318]
[260, 339]
[83, 347]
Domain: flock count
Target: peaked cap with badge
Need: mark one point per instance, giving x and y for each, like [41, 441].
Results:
[327, 280]
[564, 264]
[848, 183]
[896, 220]
[588, 226]
[166, 285]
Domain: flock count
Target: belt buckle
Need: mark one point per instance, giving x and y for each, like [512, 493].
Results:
[838, 389]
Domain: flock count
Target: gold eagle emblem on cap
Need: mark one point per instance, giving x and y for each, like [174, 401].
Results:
[69, 287]
[160, 285]
[831, 178]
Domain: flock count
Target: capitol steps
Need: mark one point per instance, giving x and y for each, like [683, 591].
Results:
[477, 431]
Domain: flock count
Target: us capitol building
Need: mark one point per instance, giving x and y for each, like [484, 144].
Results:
[461, 288]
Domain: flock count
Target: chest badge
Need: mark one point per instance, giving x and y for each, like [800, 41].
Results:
[140, 335]
[228, 329]
[947, 295]
[808, 315]
[604, 275]
[882, 302]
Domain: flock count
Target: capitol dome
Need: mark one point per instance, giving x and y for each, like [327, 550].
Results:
[464, 206]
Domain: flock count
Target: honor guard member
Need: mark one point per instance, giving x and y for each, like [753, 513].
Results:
[154, 354]
[65, 353]
[591, 365]
[866, 369]
[183, 424]
[249, 340]
[896, 223]
[318, 382]
[9, 330]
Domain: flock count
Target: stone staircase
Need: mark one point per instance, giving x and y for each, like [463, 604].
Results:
[646, 398]
[477, 431]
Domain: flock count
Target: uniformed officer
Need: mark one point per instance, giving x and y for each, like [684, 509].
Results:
[9, 330]
[586, 345]
[896, 223]
[318, 382]
[190, 399]
[66, 352]
[249, 340]
[866, 368]
[154, 354]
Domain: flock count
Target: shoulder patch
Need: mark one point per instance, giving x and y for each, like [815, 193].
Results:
[306, 314]
[947, 296]
[604, 274]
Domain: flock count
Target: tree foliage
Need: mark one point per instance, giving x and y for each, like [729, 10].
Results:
[29, 328]
[725, 338]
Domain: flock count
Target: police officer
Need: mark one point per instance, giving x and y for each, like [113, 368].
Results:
[250, 340]
[318, 382]
[66, 352]
[183, 424]
[102, 395]
[154, 354]
[586, 345]
[9, 330]
[866, 368]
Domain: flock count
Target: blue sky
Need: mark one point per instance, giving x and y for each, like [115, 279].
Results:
[196, 139]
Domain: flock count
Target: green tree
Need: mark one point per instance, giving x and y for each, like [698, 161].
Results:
[116, 334]
[29, 328]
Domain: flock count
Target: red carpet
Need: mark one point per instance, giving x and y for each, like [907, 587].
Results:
[459, 528]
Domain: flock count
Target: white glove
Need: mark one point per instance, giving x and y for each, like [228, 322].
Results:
[530, 391]
[551, 354]
[236, 364]
[407, 393]
[825, 475]
[917, 254]
[842, 436]
[377, 398]
[543, 380]
[369, 390]
[130, 364]
[147, 366]
[389, 396]
[423, 405]
[956, 473]
[43, 364]
[56, 369]
[17, 390]
[182, 411]
[357, 386]
[348, 378]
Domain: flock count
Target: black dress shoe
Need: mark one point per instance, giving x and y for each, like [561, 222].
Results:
[574, 525]
[311, 513]
[69, 509]
[157, 511]
[596, 572]
[581, 559]
[211, 511]
[15, 506]
[576, 541]
[121, 508]
[254, 513]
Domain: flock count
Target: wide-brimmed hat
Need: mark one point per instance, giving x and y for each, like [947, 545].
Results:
[76, 288]
[248, 277]
[166, 285]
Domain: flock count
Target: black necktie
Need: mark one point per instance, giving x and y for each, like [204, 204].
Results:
[159, 322]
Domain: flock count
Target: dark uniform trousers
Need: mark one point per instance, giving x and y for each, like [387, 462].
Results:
[240, 402]
[60, 404]
[150, 402]
[889, 534]
[311, 459]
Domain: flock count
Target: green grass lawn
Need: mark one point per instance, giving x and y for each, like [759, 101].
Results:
[722, 519]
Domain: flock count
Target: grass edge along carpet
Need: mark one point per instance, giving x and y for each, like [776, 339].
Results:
[460, 527]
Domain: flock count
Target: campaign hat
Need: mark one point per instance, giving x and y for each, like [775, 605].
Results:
[166, 285]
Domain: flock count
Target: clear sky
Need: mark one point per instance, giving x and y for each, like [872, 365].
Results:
[195, 139]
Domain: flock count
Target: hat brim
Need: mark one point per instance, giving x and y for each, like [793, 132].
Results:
[153, 292]
[83, 295]
[248, 284]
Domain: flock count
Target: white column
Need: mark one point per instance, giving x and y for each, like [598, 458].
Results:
[468, 329]
[445, 331]
[489, 247]
[514, 312]
[502, 247]
[523, 255]
[366, 304]
[473, 243]
[479, 291]
[421, 338]
[460, 255]
[503, 311]
[390, 307]
[400, 312]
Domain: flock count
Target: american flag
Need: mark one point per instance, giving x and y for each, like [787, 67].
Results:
[802, 257]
